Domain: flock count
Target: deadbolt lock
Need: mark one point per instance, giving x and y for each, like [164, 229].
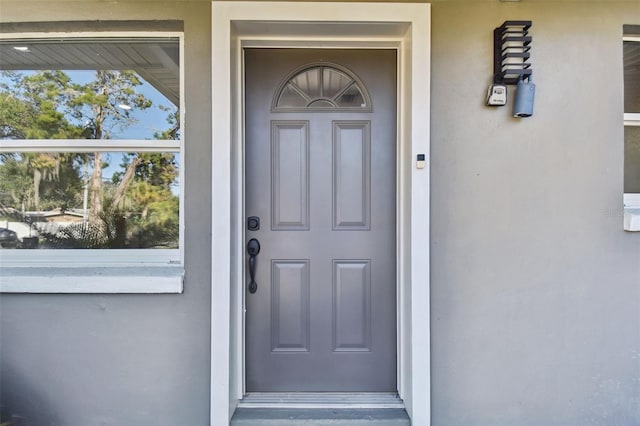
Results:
[253, 223]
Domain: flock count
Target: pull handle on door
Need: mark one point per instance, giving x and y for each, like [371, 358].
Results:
[253, 248]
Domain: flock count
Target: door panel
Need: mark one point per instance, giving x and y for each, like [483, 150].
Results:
[290, 175]
[290, 306]
[351, 305]
[351, 175]
[322, 181]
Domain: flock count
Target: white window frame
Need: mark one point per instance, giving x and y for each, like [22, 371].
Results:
[631, 200]
[99, 270]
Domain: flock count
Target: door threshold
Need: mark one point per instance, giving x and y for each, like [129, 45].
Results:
[347, 400]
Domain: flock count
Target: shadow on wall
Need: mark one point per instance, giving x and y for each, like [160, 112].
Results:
[20, 402]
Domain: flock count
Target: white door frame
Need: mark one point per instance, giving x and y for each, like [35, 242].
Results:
[404, 26]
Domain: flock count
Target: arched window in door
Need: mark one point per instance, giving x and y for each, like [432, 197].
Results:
[322, 87]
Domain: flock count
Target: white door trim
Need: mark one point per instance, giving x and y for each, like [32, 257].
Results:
[405, 26]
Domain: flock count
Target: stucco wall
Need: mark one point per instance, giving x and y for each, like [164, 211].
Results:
[535, 286]
[122, 359]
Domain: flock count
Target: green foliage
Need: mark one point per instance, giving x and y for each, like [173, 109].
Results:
[33, 107]
[109, 232]
[64, 191]
[173, 132]
[99, 103]
[58, 186]
[118, 229]
[15, 181]
[15, 117]
[77, 235]
[157, 169]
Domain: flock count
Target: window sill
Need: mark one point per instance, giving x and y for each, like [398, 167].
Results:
[97, 280]
[632, 212]
[632, 219]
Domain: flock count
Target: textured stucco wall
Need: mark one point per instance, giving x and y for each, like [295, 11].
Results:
[122, 359]
[535, 286]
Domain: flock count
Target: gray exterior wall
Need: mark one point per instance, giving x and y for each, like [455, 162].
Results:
[535, 286]
[138, 360]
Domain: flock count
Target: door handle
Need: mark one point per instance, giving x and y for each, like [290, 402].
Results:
[253, 248]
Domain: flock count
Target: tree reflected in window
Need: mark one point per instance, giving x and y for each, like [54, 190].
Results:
[90, 190]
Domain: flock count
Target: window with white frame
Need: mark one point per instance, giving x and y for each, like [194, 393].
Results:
[91, 150]
[631, 55]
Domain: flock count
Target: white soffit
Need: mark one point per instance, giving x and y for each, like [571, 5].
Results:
[155, 58]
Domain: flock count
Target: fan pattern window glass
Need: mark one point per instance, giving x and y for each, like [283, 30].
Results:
[322, 87]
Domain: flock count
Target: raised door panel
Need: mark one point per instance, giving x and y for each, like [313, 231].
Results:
[289, 175]
[290, 305]
[351, 305]
[351, 175]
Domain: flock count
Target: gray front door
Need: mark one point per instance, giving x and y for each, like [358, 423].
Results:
[320, 169]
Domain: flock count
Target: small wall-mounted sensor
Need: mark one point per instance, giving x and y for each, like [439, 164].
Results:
[497, 95]
[421, 161]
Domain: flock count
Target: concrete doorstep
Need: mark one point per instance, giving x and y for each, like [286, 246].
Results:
[320, 416]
